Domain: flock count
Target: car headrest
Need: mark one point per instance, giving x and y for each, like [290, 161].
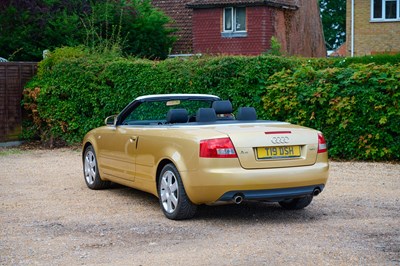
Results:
[222, 107]
[206, 115]
[177, 116]
[246, 113]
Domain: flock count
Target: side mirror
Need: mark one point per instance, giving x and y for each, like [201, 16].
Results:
[111, 120]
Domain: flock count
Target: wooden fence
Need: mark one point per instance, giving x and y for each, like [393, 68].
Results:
[13, 77]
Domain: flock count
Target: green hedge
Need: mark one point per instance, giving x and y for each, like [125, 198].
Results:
[74, 91]
[356, 107]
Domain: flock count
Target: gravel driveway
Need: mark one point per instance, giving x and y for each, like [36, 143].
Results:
[49, 217]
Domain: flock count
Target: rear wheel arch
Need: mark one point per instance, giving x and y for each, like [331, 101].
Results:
[163, 163]
[173, 199]
[160, 166]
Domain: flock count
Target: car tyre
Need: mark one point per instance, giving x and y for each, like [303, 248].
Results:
[91, 170]
[296, 204]
[172, 195]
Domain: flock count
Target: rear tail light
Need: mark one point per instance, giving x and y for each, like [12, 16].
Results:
[321, 143]
[217, 148]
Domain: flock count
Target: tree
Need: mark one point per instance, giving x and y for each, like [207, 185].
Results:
[333, 14]
[27, 27]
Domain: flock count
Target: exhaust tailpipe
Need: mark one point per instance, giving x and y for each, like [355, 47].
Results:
[316, 191]
[237, 199]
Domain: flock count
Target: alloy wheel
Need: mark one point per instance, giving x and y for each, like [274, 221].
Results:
[90, 167]
[169, 191]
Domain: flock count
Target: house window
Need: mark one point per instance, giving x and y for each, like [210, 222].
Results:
[385, 10]
[234, 22]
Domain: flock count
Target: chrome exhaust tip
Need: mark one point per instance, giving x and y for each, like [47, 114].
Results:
[316, 191]
[237, 199]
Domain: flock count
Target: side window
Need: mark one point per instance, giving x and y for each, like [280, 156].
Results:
[382, 10]
[377, 9]
[240, 17]
[147, 113]
[391, 9]
[155, 112]
[234, 22]
[228, 19]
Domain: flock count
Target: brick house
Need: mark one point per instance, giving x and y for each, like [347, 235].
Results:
[246, 26]
[372, 27]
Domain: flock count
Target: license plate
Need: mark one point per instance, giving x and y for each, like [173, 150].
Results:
[278, 152]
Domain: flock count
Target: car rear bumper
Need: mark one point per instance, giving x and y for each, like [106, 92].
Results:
[273, 195]
[219, 180]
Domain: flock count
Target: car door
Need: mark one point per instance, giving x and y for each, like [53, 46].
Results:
[117, 148]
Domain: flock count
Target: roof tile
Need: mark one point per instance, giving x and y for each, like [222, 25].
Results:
[291, 4]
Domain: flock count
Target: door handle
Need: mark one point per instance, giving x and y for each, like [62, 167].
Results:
[134, 139]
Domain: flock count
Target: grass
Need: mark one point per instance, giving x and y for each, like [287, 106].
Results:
[10, 151]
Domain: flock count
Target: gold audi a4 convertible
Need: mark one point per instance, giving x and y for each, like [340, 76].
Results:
[192, 149]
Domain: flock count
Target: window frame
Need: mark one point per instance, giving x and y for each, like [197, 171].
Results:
[383, 12]
[153, 112]
[233, 32]
[224, 19]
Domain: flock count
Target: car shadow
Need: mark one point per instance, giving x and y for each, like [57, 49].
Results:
[256, 212]
[245, 212]
[135, 194]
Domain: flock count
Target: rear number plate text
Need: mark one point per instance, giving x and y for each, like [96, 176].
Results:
[278, 152]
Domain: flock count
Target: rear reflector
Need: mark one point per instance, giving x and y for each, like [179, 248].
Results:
[321, 143]
[217, 148]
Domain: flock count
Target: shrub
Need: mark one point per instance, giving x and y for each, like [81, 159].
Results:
[275, 47]
[357, 107]
[379, 59]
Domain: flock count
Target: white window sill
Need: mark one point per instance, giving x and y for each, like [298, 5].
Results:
[238, 34]
[384, 20]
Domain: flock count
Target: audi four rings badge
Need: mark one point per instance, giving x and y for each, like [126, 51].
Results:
[280, 140]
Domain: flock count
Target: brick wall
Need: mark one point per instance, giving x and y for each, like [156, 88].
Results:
[13, 77]
[370, 37]
[207, 28]
[182, 22]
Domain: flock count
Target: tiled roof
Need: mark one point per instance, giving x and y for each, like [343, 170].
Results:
[287, 4]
